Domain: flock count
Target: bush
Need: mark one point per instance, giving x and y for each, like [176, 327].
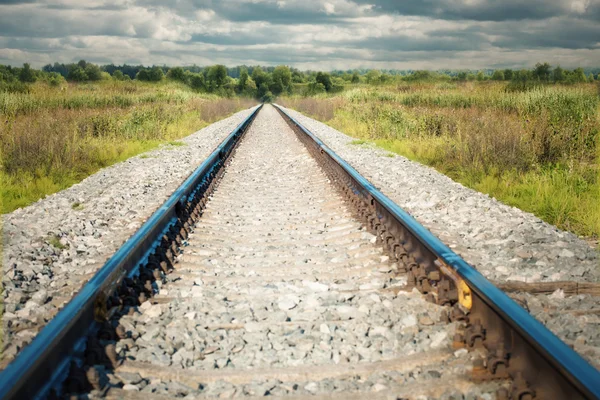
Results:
[55, 79]
[176, 74]
[77, 74]
[314, 88]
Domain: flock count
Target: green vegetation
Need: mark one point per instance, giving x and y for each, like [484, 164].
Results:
[52, 136]
[536, 148]
[55, 242]
[528, 137]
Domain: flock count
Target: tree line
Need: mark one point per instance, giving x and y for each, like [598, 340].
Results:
[266, 83]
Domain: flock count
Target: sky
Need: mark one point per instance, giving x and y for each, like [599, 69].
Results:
[307, 34]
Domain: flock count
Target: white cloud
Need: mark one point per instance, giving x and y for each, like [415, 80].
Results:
[329, 8]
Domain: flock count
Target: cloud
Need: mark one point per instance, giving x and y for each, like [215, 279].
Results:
[306, 34]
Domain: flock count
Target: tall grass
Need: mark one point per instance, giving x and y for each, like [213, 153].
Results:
[536, 150]
[53, 138]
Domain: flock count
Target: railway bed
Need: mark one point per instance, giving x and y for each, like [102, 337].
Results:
[278, 270]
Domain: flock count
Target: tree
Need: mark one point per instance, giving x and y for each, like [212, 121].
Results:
[542, 72]
[217, 76]
[118, 75]
[259, 76]
[480, 76]
[93, 72]
[591, 77]
[372, 76]
[498, 75]
[281, 79]
[508, 74]
[176, 74]
[462, 76]
[77, 74]
[27, 74]
[578, 75]
[355, 78]
[558, 75]
[324, 79]
[142, 75]
[156, 74]
[197, 81]
[243, 79]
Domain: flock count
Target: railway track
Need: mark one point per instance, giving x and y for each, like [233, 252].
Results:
[277, 270]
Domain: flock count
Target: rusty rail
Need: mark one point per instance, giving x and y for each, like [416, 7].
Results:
[517, 346]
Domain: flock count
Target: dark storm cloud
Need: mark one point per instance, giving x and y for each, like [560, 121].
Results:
[484, 10]
[308, 33]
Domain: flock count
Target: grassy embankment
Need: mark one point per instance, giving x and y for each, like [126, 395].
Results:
[538, 150]
[53, 137]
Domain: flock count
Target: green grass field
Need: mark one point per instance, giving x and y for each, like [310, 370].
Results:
[53, 137]
[538, 150]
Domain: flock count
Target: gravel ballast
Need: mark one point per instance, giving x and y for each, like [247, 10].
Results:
[56, 244]
[502, 242]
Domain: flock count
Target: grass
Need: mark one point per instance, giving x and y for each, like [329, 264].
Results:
[55, 242]
[52, 138]
[537, 150]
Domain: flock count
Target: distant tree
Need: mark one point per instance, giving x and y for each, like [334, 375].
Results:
[297, 76]
[176, 74]
[197, 81]
[77, 74]
[355, 78]
[216, 76]
[93, 72]
[591, 77]
[281, 78]
[259, 77]
[578, 75]
[27, 74]
[243, 80]
[324, 79]
[118, 75]
[372, 76]
[142, 75]
[480, 76]
[542, 72]
[156, 74]
[462, 76]
[263, 89]
[522, 75]
[558, 75]
[498, 75]
[508, 74]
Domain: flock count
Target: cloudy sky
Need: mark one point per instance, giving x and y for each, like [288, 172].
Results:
[308, 34]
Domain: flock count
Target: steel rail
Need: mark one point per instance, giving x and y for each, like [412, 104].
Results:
[545, 366]
[45, 362]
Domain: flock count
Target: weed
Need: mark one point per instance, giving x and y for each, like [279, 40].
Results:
[176, 143]
[52, 138]
[77, 206]
[537, 149]
[54, 241]
[358, 142]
